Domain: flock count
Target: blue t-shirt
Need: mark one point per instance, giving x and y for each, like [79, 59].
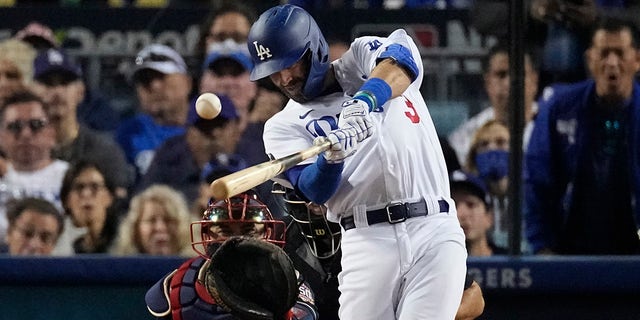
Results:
[139, 136]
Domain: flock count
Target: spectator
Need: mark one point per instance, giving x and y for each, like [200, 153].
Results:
[497, 86]
[27, 138]
[158, 223]
[163, 86]
[34, 227]
[226, 72]
[581, 169]
[228, 24]
[473, 205]
[488, 159]
[92, 209]
[180, 161]
[58, 81]
[16, 66]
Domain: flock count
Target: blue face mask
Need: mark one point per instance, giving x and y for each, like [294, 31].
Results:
[493, 165]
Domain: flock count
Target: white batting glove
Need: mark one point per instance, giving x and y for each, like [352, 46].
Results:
[355, 113]
[343, 144]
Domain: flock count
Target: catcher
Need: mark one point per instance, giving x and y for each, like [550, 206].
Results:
[241, 271]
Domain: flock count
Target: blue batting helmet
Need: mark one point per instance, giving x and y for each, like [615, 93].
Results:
[281, 36]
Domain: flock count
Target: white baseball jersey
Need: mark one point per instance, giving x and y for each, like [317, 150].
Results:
[404, 163]
[407, 271]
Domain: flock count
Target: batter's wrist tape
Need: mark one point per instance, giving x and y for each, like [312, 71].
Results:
[374, 92]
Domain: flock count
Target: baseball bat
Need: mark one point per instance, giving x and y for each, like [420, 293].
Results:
[245, 179]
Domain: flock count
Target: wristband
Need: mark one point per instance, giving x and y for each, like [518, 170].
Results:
[374, 92]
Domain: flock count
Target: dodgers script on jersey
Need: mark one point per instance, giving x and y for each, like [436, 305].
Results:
[404, 120]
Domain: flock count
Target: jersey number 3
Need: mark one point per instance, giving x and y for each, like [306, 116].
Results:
[412, 114]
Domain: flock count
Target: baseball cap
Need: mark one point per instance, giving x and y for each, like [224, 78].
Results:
[228, 112]
[214, 58]
[160, 58]
[228, 51]
[55, 61]
[465, 182]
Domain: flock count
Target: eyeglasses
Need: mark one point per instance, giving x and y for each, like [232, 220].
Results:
[35, 125]
[47, 238]
[93, 187]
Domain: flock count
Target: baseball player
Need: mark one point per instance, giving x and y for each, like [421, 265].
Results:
[313, 244]
[384, 179]
[241, 271]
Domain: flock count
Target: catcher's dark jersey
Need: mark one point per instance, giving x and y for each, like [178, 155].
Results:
[181, 295]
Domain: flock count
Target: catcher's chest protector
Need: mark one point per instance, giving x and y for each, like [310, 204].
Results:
[188, 297]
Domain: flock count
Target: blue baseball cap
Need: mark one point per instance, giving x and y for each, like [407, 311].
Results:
[55, 61]
[238, 56]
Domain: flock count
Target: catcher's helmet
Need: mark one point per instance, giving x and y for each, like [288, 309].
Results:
[282, 36]
[322, 236]
[240, 215]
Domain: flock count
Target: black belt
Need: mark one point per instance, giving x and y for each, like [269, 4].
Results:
[395, 213]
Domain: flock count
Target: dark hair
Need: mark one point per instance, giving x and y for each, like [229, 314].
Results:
[16, 207]
[615, 24]
[243, 9]
[503, 47]
[114, 211]
[74, 171]
[20, 96]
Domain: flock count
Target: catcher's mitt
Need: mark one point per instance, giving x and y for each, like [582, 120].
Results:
[252, 279]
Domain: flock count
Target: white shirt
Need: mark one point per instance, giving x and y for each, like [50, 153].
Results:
[44, 183]
[402, 161]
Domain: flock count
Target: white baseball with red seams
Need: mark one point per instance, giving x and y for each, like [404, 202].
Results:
[401, 161]
[208, 106]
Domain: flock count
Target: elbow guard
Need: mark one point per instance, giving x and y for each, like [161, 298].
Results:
[402, 55]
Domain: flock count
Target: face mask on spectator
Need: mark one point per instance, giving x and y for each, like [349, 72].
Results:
[493, 164]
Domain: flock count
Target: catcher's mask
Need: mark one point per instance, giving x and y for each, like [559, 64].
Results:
[322, 236]
[240, 215]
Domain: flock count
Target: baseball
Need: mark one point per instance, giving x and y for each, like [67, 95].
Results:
[208, 106]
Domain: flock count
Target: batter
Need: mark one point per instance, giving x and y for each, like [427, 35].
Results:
[384, 178]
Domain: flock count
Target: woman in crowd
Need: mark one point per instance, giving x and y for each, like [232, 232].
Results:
[93, 213]
[488, 159]
[157, 224]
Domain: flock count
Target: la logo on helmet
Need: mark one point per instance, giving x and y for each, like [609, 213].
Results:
[263, 53]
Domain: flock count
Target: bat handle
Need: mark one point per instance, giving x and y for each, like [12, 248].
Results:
[323, 142]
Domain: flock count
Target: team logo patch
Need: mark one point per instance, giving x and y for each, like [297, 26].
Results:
[261, 51]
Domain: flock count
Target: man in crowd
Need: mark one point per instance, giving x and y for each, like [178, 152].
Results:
[163, 86]
[58, 81]
[582, 174]
[28, 138]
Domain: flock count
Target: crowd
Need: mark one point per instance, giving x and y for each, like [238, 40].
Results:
[77, 177]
